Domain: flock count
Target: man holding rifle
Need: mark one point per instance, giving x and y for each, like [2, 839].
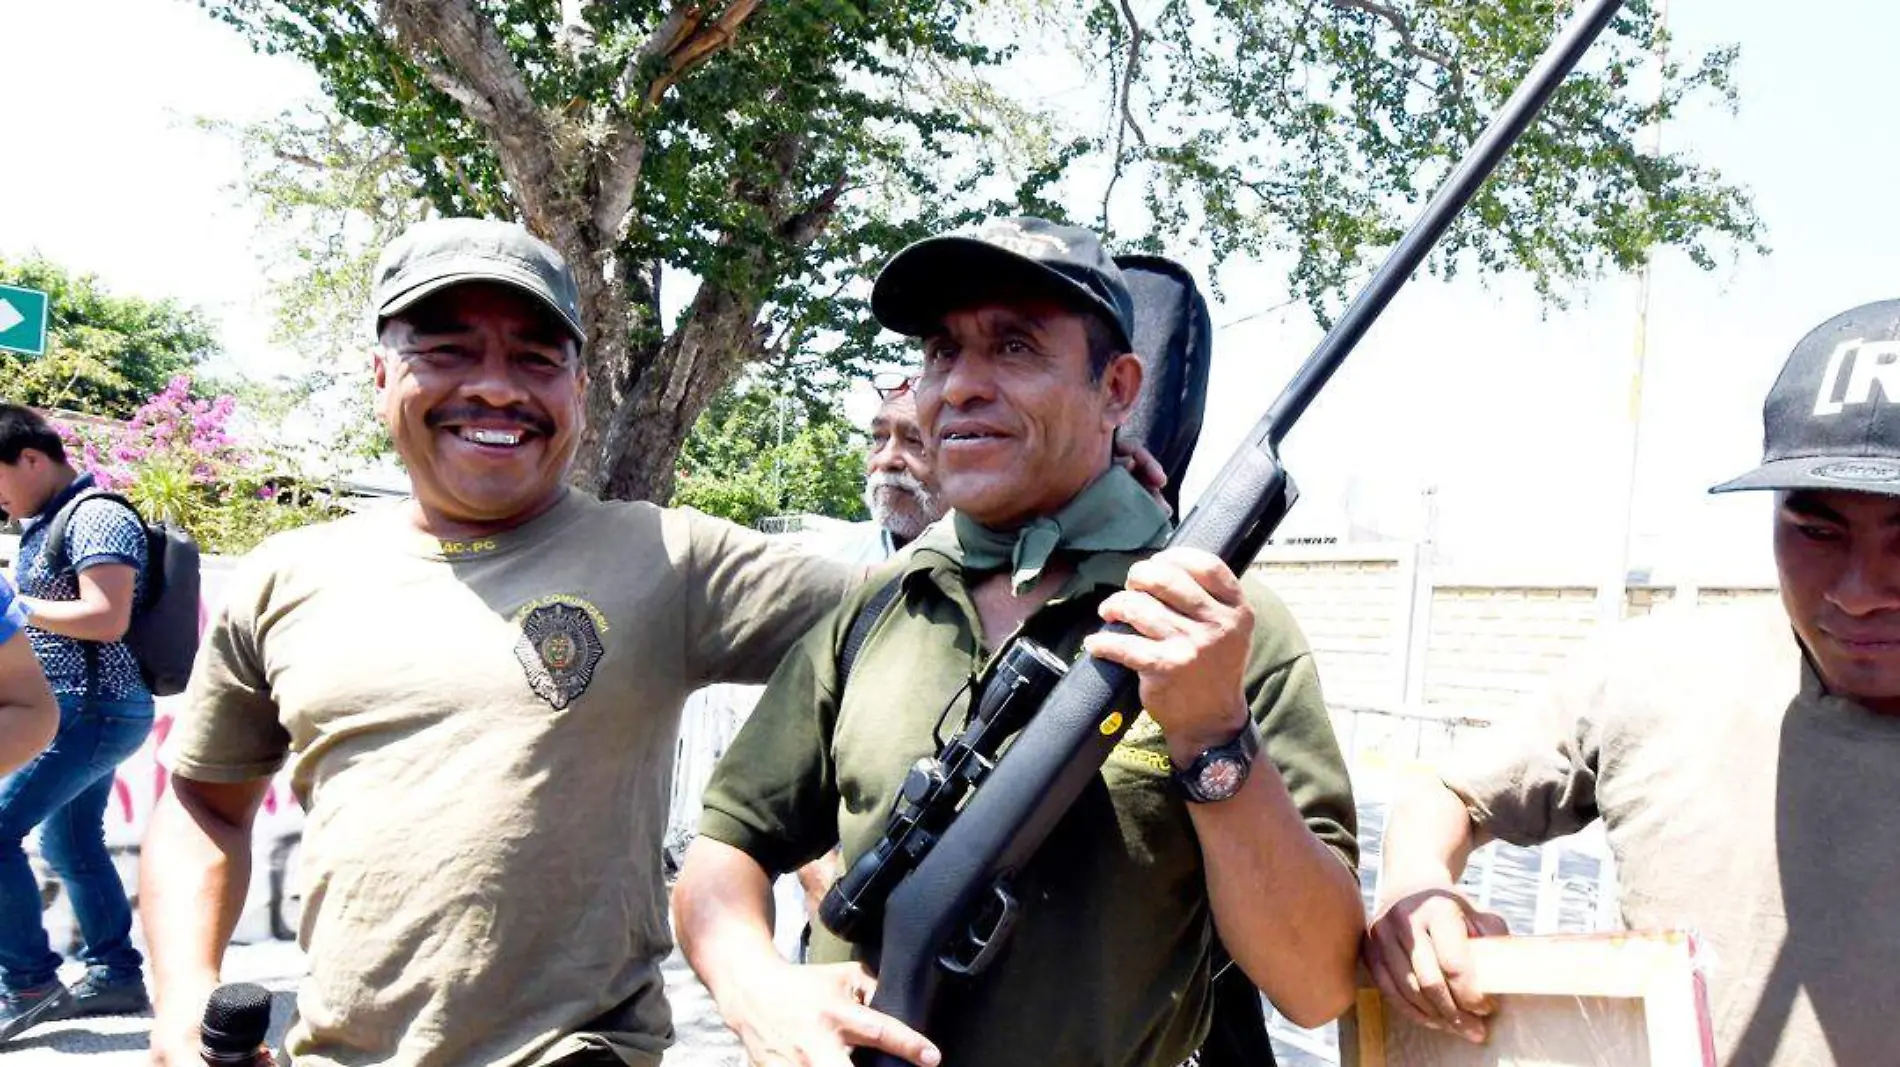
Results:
[1027, 373]
[1742, 759]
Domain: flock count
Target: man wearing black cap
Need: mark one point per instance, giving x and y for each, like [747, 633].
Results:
[1026, 375]
[477, 693]
[1742, 759]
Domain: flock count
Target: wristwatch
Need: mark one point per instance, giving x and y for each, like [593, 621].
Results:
[1219, 772]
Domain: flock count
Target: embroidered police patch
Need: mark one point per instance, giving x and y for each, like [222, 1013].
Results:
[559, 649]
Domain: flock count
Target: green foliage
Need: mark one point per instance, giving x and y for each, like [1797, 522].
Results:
[1316, 127]
[758, 452]
[328, 195]
[778, 165]
[105, 354]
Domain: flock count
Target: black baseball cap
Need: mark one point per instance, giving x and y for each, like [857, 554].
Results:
[1832, 420]
[436, 254]
[1005, 258]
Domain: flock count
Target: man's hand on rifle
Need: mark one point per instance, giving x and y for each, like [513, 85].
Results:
[1193, 631]
[814, 1015]
[1193, 635]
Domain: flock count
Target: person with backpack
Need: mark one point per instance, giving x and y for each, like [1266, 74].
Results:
[79, 604]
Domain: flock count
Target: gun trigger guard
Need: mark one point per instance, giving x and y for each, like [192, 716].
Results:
[1001, 911]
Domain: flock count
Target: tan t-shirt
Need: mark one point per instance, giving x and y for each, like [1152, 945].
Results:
[483, 736]
[1742, 802]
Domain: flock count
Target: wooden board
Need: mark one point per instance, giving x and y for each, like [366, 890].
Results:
[1609, 1000]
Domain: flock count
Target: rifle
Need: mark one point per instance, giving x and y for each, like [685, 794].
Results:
[954, 909]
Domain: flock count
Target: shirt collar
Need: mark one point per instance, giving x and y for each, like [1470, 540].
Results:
[936, 556]
[60, 499]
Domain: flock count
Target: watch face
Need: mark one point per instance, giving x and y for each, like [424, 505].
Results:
[1221, 778]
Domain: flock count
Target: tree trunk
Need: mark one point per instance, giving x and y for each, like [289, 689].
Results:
[607, 310]
[576, 192]
[637, 454]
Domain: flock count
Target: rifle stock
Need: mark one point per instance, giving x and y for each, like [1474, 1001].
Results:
[1065, 743]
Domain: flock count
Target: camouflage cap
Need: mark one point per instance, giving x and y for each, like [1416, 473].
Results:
[1006, 258]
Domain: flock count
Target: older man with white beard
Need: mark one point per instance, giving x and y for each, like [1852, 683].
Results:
[900, 489]
[899, 485]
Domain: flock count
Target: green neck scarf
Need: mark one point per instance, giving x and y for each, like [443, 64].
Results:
[1114, 514]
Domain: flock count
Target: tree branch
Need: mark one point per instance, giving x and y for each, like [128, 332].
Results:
[575, 36]
[701, 42]
[803, 228]
[285, 155]
[1136, 35]
[1408, 44]
[1125, 121]
[481, 76]
[683, 40]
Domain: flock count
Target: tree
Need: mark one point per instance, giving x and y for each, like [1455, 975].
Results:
[104, 354]
[759, 451]
[770, 155]
[328, 194]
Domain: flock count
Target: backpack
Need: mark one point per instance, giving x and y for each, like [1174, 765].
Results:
[163, 636]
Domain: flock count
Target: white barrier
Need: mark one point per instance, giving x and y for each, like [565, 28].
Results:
[273, 906]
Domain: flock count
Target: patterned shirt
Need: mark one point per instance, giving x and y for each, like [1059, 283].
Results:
[12, 616]
[101, 531]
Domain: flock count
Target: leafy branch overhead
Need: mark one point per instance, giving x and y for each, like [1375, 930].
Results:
[763, 158]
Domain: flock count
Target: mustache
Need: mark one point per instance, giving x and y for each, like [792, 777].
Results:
[900, 480]
[466, 413]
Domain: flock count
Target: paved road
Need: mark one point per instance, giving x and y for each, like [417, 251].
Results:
[122, 1042]
[704, 1040]
[277, 966]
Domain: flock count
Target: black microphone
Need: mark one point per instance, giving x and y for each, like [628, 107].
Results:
[237, 1017]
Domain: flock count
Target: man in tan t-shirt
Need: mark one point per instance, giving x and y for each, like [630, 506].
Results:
[477, 693]
[1743, 760]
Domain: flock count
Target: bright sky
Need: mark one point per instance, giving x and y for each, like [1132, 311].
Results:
[1514, 413]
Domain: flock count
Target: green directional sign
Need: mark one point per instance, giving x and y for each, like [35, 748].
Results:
[22, 320]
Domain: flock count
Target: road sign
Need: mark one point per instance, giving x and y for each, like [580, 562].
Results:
[22, 320]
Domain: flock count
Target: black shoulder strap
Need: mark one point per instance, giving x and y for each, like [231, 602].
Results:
[55, 547]
[861, 628]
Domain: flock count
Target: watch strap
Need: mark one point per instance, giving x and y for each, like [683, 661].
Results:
[1242, 749]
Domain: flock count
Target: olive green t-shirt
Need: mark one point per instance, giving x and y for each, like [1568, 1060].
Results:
[1109, 964]
[483, 736]
[1743, 803]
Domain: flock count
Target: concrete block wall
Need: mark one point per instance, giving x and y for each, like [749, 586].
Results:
[1643, 599]
[1488, 646]
[1355, 614]
[1389, 634]
[1733, 594]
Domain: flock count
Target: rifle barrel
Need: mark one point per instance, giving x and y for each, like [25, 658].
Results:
[1451, 198]
[1063, 746]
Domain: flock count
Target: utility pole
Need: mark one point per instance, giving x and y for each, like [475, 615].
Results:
[1612, 594]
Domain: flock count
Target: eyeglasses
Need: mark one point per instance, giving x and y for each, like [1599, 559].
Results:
[892, 384]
